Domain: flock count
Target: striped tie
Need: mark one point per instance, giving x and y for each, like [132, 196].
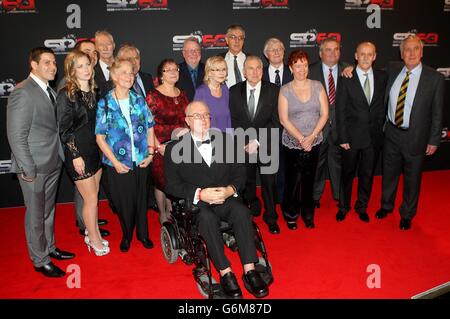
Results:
[331, 88]
[401, 100]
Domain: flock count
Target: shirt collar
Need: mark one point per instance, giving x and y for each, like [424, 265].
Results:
[191, 68]
[41, 83]
[327, 68]
[240, 55]
[272, 68]
[361, 72]
[257, 87]
[417, 69]
[195, 139]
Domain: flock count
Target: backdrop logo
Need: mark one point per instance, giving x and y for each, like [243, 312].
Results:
[5, 166]
[17, 6]
[136, 5]
[446, 5]
[311, 38]
[260, 4]
[63, 45]
[445, 72]
[207, 41]
[6, 87]
[430, 39]
[363, 4]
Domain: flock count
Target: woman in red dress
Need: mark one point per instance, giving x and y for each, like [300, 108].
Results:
[167, 104]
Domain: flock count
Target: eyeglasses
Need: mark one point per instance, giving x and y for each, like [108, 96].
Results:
[192, 51]
[198, 116]
[171, 70]
[219, 70]
[280, 50]
[235, 37]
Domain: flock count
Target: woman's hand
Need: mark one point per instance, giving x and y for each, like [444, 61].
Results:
[307, 142]
[146, 161]
[162, 148]
[78, 165]
[121, 168]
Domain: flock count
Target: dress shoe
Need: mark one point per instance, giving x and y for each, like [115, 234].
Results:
[309, 224]
[102, 222]
[103, 232]
[405, 224]
[382, 213]
[292, 225]
[254, 284]
[340, 216]
[274, 228]
[50, 270]
[317, 203]
[124, 245]
[61, 255]
[147, 243]
[230, 286]
[364, 217]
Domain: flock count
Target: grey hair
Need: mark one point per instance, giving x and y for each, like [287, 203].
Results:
[187, 111]
[270, 42]
[410, 37]
[127, 47]
[322, 45]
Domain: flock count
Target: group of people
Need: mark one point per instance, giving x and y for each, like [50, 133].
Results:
[113, 128]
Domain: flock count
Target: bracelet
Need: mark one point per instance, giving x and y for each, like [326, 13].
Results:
[151, 147]
[200, 195]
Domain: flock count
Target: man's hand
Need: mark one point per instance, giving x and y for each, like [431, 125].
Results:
[27, 179]
[431, 149]
[345, 146]
[348, 72]
[216, 195]
[251, 147]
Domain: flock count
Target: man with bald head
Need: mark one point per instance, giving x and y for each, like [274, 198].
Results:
[360, 115]
[198, 169]
[105, 45]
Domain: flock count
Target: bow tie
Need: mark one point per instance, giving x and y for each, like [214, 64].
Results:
[199, 143]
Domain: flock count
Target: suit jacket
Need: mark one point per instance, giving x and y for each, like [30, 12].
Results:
[287, 75]
[104, 85]
[357, 122]
[425, 123]
[266, 115]
[185, 82]
[32, 131]
[316, 73]
[184, 178]
[147, 80]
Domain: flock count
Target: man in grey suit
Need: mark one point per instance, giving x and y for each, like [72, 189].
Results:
[327, 71]
[415, 100]
[36, 158]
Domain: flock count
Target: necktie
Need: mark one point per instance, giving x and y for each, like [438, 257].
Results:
[194, 77]
[50, 95]
[237, 73]
[401, 100]
[277, 78]
[200, 143]
[251, 103]
[367, 87]
[331, 88]
[137, 88]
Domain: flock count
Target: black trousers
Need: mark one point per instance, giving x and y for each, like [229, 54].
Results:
[239, 217]
[298, 191]
[129, 195]
[397, 158]
[365, 161]
[268, 189]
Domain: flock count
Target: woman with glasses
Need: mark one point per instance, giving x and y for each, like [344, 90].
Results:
[215, 93]
[167, 104]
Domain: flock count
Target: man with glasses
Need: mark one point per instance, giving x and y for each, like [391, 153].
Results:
[235, 57]
[208, 178]
[192, 69]
[276, 72]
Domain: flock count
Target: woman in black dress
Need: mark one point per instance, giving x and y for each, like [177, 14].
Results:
[76, 110]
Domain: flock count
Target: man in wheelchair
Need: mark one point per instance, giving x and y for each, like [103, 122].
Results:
[202, 169]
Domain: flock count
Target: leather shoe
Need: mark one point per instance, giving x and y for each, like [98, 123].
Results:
[50, 270]
[254, 284]
[103, 232]
[310, 224]
[382, 213]
[230, 286]
[61, 255]
[405, 224]
[364, 217]
[340, 216]
[147, 243]
[274, 228]
[292, 225]
[124, 245]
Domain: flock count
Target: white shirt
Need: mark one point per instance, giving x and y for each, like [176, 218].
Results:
[206, 153]
[125, 108]
[41, 84]
[326, 72]
[272, 73]
[140, 83]
[256, 94]
[362, 79]
[229, 59]
[105, 69]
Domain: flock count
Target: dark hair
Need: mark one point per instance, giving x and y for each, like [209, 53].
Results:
[235, 27]
[297, 55]
[79, 43]
[159, 70]
[35, 54]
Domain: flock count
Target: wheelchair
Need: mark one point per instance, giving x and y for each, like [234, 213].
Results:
[181, 239]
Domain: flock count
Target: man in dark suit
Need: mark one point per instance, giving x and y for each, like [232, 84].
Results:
[192, 70]
[36, 158]
[104, 44]
[198, 169]
[276, 72]
[327, 71]
[235, 57]
[254, 105]
[360, 115]
[415, 101]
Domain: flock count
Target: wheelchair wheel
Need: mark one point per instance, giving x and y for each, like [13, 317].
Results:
[167, 244]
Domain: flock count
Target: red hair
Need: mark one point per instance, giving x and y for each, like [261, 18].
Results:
[296, 56]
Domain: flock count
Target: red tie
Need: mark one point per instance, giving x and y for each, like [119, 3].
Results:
[331, 88]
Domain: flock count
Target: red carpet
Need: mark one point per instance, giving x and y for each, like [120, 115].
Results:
[329, 261]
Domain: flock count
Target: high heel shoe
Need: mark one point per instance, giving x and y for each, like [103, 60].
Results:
[98, 251]
[86, 239]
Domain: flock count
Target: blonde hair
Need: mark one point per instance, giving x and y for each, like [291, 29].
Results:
[71, 82]
[209, 65]
[117, 64]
